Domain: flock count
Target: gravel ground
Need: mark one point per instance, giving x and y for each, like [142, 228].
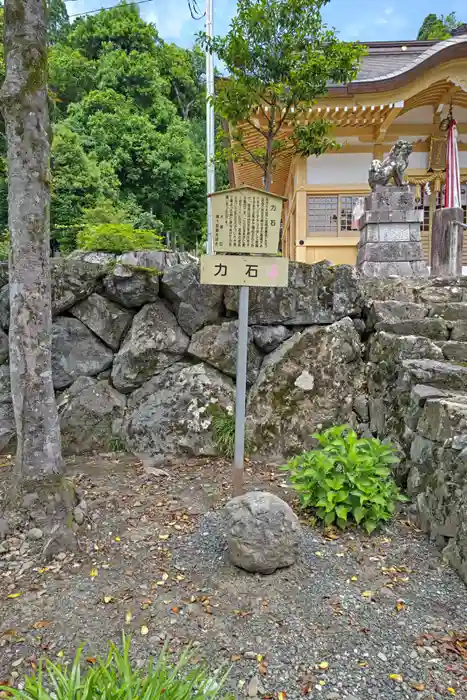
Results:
[353, 612]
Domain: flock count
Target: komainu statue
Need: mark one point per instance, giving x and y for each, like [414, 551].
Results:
[394, 166]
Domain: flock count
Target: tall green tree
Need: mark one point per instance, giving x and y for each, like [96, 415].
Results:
[436, 27]
[58, 22]
[280, 56]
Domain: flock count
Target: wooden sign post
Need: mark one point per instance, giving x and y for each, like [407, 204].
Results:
[245, 220]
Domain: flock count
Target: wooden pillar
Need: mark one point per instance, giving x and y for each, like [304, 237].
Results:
[446, 243]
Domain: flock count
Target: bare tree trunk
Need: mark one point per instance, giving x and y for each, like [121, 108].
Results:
[25, 109]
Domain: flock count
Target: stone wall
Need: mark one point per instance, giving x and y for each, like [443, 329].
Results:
[141, 353]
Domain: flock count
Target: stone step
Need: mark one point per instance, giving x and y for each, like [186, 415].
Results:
[454, 351]
[445, 375]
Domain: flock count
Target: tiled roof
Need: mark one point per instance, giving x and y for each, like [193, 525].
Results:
[388, 56]
[390, 63]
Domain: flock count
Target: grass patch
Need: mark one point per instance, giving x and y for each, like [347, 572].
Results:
[223, 425]
[115, 678]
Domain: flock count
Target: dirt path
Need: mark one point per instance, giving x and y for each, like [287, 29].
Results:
[354, 612]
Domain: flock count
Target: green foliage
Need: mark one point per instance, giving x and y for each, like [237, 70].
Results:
[280, 57]
[127, 114]
[346, 477]
[438, 28]
[115, 677]
[78, 182]
[118, 238]
[118, 28]
[57, 20]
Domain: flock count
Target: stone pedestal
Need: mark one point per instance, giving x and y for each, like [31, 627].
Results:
[390, 235]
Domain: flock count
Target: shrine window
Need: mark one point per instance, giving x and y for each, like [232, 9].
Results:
[331, 215]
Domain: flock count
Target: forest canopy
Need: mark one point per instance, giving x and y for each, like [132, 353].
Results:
[128, 118]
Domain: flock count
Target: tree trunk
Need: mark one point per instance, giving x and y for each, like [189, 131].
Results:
[25, 109]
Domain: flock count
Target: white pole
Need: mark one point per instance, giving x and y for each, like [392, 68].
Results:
[210, 129]
[240, 399]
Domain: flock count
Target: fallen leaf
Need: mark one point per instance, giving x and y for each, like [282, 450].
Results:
[91, 659]
[362, 664]
[235, 657]
[368, 594]
[396, 677]
[41, 624]
[128, 617]
[144, 630]
[323, 665]
[107, 599]
[418, 686]
[165, 576]
[319, 554]
[263, 669]
[451, 690]
[164, 537]
[60, 654]
[354, 578]
[282, 695]
[259, 657]
[93, 573]
[116, 539]
[180, 577]
[400, 605]
[175, 610]
[14, 595]
[146, 603]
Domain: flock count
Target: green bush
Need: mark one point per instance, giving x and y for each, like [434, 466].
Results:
[118, 238]
[115, 678]
[346, 477]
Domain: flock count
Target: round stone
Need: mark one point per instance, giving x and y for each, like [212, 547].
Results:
[262, 532]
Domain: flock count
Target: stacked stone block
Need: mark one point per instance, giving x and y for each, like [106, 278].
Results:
[390, 242]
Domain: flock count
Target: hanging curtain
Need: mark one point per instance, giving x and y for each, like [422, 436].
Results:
[452, 197]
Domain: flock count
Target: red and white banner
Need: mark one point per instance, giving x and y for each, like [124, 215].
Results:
[452, 197]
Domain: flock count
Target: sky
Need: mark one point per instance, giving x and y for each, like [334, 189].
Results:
[363, 20]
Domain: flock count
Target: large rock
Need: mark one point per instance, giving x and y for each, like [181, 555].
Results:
[76, 352]
[107, 320]
[217, 345]
[316, 294]
[72, 280]
[309, 382]
[263, 532]
[194, 304]
[90, 414]
[268, 338]
[171, 413]
[5, 307]
[158, 260]
[4, 348]
[131, 286]
[155, 341]
[7, 418]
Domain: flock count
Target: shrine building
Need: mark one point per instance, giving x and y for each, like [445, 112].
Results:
[403, 90]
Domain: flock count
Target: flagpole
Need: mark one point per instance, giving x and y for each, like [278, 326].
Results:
[210, 128]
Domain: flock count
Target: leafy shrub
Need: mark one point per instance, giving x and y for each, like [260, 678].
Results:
[118, 238]
[115, 678]
[346, 477]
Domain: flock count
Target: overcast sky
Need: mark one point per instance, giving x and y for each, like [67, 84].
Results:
[365, 20]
